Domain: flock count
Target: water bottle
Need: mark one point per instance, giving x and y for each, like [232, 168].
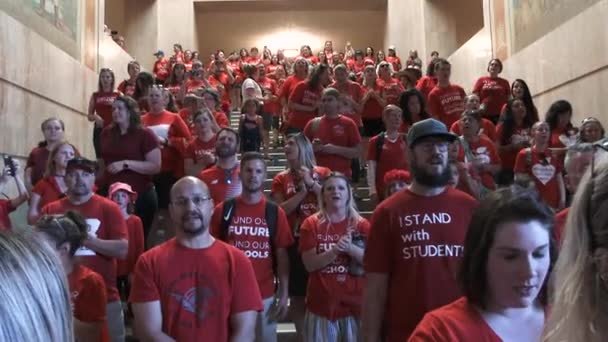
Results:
[355, 268]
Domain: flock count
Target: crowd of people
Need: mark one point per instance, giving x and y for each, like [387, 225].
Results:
[472, 194]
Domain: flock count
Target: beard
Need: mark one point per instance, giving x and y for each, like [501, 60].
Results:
[225, 151]
[79, 190]
[191, 229]
[427, 179]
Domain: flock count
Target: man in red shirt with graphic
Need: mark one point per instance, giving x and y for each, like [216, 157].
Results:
[223, 178]
[335, 137]
[416, 240]
[194, 287]
[108, 234]
[161, 67]
[260, 229]
[446, 100]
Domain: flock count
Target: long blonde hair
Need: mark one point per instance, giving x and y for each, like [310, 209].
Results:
[352, 214]
[580, 304]
[306, 155]
[34, 297]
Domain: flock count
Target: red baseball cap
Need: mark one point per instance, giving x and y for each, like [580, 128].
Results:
[118, 186]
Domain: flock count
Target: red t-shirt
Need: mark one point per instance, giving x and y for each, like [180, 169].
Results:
[134, 145]
[493, 92]
[224, 80]
[269, 86]
[418, 241]
[192, 85]
[136, 246]
[372, 110]
[395, 61]
[37, 162]
[286, 183]
[288, 86]
[563, 138]
[5, 209]
[249, 232]
[353, 90]
[103, 105]
[198, 289]
[457, 321]
[105, 215]
[332, 292]
[302, 94]
[520, 134]
[197, 147]
[171, 127]
[221, 119]
[544, 168]
[393, 156]
[161, 69]
[48, 190]
[126, 87]
[223, 184]
[88, 296]
[341, 131]
[391, 90]
[425, 84]
[560, 225]
[487, 128]
[447, 104]
[484, 151]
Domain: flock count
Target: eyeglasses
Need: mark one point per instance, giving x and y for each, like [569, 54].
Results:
[428, 146]
[196, 200]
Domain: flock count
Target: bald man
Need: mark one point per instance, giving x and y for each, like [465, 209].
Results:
[193, 286]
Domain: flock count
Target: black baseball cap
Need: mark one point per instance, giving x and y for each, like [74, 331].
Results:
[83, 164]
[428, 128]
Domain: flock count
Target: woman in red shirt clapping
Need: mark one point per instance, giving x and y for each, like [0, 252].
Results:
[332, 243]
[508, 255]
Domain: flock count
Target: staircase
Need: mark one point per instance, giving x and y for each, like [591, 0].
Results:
[279, 163]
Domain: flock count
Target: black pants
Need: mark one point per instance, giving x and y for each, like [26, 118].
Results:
[146, 206]
[355, 168]
[163, 182]
[97, 141]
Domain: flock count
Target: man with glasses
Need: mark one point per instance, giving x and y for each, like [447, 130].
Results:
[194, 287]
[260, 229]
[223, 178]
[107, 240]
[416, 240]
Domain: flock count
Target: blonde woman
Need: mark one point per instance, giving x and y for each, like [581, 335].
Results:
[35, 303]
[332, 243]
[578, 311]
[296, 190]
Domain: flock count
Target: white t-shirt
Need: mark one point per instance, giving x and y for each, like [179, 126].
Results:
[248, 84]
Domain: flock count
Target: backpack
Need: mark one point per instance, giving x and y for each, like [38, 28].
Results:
[379, 144]
[271, 214]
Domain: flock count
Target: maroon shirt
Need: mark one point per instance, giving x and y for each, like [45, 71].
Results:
[37, 162]
[131, 146]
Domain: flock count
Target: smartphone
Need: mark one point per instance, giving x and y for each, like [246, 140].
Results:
[8, 162]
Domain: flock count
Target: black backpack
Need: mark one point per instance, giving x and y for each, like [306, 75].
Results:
[379, 144]
[271, 214]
